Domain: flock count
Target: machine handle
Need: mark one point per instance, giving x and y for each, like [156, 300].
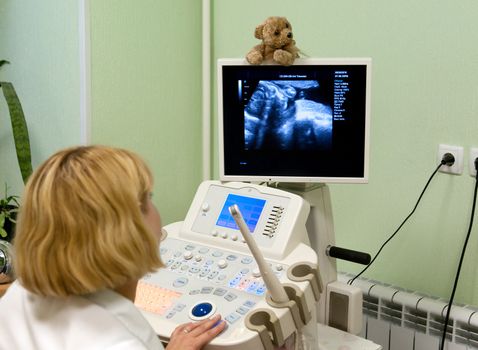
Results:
[276, 290]
[349, 255]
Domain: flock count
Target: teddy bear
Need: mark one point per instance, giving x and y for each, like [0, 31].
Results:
[277, 43]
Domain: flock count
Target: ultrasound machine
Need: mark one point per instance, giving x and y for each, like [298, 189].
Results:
[258, 246]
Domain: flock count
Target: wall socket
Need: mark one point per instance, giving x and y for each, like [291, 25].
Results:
[457, 152]
[471, 162]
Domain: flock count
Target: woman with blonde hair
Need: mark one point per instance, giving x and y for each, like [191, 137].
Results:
[87, 232]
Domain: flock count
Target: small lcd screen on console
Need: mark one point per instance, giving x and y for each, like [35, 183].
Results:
[251, 209]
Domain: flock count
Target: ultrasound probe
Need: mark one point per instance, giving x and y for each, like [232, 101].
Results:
[276, 290]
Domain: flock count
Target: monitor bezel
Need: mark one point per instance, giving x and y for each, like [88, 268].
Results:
[296, 179]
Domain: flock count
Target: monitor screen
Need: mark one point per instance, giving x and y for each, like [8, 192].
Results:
[308, 122]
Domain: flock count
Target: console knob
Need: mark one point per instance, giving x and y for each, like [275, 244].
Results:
[188, 255]
[256, 272]
[222, 264]
[205, 207]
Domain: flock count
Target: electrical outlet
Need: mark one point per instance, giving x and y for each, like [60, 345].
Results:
[457, 151]
[471, 163]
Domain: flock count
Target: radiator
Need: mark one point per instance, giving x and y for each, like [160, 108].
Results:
[399, 319]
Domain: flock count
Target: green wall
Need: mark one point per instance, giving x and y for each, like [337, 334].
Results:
[146, 90]
[424, 92]
[40, 39]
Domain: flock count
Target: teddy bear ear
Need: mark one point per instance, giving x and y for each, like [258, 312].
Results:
[258, 32]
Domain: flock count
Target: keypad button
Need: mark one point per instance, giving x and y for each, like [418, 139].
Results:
[180, 282]
[230, 296]
[231, 318]
[222, 264]
[242, 310]
[194, 269]
[246, 260]
[203, 250]
[234, 282]
[217, 253]
[212, 274]
[179, 307]
[206, 290]
[220, 291]
[249, 303]
[252, 287]
[261, 290]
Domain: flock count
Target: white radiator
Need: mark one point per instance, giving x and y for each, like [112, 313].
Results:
[406, 320]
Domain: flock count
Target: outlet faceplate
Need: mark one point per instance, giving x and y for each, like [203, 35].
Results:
[457, 151]
[471, 162]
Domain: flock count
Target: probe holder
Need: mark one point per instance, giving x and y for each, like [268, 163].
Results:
[266, 324]
[304, 271]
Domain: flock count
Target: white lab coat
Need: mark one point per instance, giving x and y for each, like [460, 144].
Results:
[104, 320]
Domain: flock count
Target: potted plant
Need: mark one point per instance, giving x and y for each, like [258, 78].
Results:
[8, 214]
[9, 203]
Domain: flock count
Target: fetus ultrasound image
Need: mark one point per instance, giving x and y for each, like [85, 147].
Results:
[287, 115]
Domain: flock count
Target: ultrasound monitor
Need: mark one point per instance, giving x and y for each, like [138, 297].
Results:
[308, 122]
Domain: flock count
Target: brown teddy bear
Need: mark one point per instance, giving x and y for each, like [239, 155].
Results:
[277, 42]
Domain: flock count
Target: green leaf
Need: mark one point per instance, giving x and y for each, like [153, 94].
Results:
[20, 130]
[3, 233]
[2, 62]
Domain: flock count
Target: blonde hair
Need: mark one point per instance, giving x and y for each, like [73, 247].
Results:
[81, 226]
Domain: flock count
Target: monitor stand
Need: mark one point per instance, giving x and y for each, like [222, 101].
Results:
[320, 229]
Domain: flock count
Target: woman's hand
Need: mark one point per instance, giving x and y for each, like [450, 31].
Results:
[194, 335]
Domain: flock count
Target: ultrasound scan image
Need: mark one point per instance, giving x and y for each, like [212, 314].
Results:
[286, 115]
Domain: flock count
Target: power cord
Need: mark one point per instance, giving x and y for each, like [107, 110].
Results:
[447, 159]
[458, 271]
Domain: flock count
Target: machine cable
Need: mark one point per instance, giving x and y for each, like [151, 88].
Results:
[447, 159]
[458, 271]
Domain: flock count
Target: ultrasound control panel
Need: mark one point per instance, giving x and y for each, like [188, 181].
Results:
[199, 279]
[209, 268]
